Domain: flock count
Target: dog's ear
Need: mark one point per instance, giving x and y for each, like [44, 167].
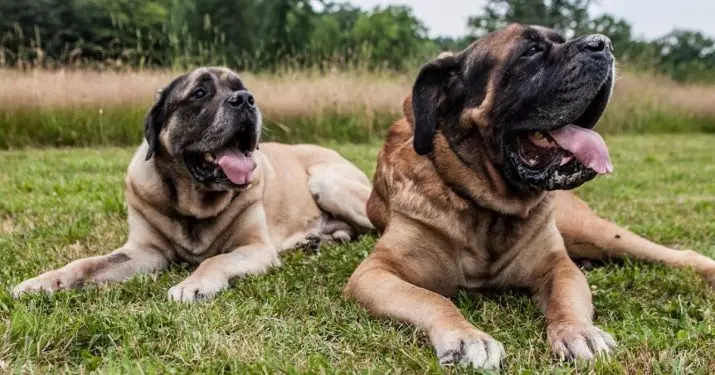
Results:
[428, 93]
[154, 120]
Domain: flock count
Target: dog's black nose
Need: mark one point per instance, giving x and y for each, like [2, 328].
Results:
[241, 99]
[596, 44]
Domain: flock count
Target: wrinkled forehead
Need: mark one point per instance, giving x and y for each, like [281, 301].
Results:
[515, 34]
[215, 77]
[543, 33]
[500, 46]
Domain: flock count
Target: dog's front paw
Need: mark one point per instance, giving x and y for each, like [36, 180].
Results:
[197, 288]
[48, 282]
[579, 341]
[470, 347]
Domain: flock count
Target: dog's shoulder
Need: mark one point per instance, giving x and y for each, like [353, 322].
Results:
[408, 181]
[142, 180]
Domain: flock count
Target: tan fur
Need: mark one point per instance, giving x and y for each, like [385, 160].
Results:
[299, 193]
[449, 223]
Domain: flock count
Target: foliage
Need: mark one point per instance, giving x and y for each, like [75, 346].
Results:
[245, 34]
[569, 16]
[279, 35]
[684, 55]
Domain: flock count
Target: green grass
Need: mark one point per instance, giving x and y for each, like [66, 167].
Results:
[640, 118]
[122, 125]
[58, 205]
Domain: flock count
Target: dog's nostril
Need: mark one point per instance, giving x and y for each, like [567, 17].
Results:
[242, 99]
[596, 45]
[236, 101]
[248, 98]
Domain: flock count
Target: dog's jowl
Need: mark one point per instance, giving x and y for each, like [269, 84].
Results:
[469, 193]
[201, 190]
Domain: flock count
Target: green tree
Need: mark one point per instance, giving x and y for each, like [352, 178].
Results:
[392, 37]
[453, 44]
[686, 55]
[569, 16]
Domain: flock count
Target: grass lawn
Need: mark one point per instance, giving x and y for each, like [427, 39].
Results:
[59, 205]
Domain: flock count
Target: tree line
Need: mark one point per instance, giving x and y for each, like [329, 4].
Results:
[269, 35]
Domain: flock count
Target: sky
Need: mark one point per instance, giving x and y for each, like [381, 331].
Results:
[649, 18]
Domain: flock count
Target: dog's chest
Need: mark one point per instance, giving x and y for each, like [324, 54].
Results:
[195, 239]
[194, 235]
[491, 246]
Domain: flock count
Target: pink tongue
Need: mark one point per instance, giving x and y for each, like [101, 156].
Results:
[586, 145]
[237, 166]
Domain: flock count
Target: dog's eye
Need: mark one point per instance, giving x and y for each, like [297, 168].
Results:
[535, 49]
[198, 94]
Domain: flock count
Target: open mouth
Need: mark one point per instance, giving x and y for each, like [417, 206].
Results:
[556, 148]
[233, 164]
[573, 142]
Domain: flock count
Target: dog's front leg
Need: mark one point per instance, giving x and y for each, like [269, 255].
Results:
[382, 288]
[213, 274]
[563, 294]
[120, 265]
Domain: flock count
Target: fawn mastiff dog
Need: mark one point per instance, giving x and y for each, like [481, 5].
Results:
[200, 190]
[469, 193]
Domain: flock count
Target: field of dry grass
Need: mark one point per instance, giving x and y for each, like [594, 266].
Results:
[85, 108]
[295, 94]
[285, 95]
[661, 91]
[637, 95]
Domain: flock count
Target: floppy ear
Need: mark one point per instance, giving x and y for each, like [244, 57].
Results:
[428, 93]
[155, 120]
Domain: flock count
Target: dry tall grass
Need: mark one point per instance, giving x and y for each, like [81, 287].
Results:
[65, 108]
[296, 94]
[288, 95]
[657, 91]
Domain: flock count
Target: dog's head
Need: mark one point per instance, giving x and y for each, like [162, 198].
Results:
[529, 97]
[205, 126]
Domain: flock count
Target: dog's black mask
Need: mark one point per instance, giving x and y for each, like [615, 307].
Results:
[529, 98]
[207, 125]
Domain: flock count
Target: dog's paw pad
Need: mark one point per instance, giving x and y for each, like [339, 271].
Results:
[580, 342]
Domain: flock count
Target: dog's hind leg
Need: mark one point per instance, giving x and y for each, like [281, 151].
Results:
[339, 231]
[587, 236]
[341, 190]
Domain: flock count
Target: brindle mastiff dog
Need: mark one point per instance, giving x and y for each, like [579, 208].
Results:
[464, 193]
[199, 190]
